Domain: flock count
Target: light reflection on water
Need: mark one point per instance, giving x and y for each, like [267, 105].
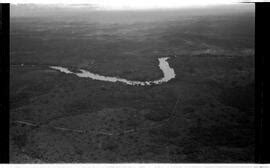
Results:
[168, 74]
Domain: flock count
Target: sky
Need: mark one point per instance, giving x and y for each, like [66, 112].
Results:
[132, 4]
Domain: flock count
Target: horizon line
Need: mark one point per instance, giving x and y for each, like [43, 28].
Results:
[128, 4]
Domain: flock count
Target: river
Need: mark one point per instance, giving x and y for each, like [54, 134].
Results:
[168, 74]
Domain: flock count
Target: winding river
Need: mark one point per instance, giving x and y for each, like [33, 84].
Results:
[168, 74]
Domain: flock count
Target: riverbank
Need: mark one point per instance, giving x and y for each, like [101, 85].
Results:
[168, 74]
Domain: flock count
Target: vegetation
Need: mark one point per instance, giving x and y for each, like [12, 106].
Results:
[212, 56]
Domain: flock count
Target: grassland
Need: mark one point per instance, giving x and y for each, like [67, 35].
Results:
[212, 55]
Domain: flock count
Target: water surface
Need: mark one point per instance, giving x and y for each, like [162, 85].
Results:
[168, 74]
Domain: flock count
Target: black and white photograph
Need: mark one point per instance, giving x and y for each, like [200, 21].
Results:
[132, 81]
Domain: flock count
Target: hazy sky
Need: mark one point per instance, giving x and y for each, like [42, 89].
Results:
[132, 4]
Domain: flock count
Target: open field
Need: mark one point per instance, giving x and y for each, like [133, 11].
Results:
[205, 114]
